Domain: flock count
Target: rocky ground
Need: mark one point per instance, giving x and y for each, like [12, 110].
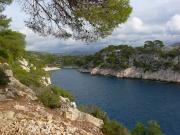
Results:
[22, 114]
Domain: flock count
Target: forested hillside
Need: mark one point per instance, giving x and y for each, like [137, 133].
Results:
[153, 56]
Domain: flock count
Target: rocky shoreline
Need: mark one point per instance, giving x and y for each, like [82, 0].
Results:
[51, 68]
[137, 73]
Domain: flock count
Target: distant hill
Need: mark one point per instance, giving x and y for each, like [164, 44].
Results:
[176, 44]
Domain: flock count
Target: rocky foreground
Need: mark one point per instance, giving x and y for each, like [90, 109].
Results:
[22, 114]
[137, 73]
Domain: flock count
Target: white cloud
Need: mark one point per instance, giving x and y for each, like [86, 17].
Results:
[173, 25]
[136, 23]
[135, 26]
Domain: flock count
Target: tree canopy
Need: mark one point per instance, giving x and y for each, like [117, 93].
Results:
[12, 43]
[4, 21]
[87, 20]
[153, 44]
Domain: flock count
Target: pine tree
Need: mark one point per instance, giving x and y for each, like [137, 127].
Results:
[86, 20]
[12, 43]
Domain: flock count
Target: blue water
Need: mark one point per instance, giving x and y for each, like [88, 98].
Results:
[126, 100]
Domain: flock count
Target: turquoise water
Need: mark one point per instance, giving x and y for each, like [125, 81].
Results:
[126, 100]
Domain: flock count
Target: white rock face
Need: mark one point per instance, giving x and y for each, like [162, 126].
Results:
[46, 81]
[26, 65]
[161, 75]
[72, 113]
[73, 104]
[15, 89]
[75, 115]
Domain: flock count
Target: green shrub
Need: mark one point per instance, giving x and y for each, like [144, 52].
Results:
[152, 128]
[114, 128]
[95, 111]
[27, 78]
[61, 92]
[177, 68]
[3, 78]
[4, 55]
[139, 129]
[109, 127]
[13, 42]
[49, 98]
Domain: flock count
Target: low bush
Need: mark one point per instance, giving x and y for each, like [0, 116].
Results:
[152, 128]
[49, 98]
[27, 78]
[110, 127]
[3, 78]
[114, 128]
[61, 92]
[95, 111]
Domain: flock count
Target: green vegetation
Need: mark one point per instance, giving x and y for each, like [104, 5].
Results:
[72, 60]
[12, 50]
[61, 92]
[69, 18]
[12, 43]
[50, 96]
[95, 111]
[153, 56]
[43, 59]
[112, 127]
[31, 79]
[152, 129]
[3, 78]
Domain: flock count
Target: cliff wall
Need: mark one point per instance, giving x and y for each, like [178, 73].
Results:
[138, 73]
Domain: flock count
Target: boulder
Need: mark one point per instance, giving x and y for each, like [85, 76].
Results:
[74, 114]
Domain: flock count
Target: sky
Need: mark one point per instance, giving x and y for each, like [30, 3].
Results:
[150, 20]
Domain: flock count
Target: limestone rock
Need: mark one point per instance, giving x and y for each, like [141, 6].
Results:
[46, 81]
[21, 108]
[76, 115]
[133, 72]
[9, 114]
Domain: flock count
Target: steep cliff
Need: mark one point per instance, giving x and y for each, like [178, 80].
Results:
[154, 62]
[138, 73]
